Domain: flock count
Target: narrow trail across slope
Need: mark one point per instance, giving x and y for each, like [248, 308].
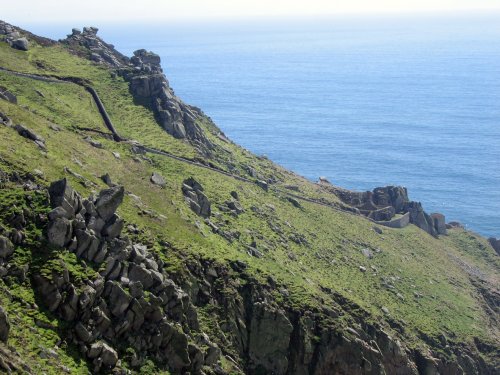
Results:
[118, 138]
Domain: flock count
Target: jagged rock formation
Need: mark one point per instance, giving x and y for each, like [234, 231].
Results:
[13, 37]
[197, 200]
[132, 300]
[383, 203]
[148, 85]
[99, 51]
[119, 295]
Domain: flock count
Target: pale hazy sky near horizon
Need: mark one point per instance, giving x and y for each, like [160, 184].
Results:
[45, 11]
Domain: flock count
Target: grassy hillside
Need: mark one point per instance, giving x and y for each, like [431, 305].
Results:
[424, 287]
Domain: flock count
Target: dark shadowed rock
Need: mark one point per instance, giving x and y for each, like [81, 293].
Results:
[383, 214]
[495, 243]
[197, 200]
[59, 232]
[108, 201]
[420, 218]
[113, 227]
[7, 95]
[4, 325]
[5, 120]
[119, 300]
[30, 134]
[294, 202]
[269, 339]
[395, 196]
[6, 247]
[106, 178]
[63, 195]
[103, 354]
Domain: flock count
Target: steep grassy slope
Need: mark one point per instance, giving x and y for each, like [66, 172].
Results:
[422, 289]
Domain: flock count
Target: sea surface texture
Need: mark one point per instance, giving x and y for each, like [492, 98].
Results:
[364, 102]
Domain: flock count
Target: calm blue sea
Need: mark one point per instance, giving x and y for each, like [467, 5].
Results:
[363, 101]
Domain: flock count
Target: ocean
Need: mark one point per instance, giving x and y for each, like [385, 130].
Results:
[364, 101]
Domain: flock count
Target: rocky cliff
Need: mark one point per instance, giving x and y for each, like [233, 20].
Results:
[169, 249]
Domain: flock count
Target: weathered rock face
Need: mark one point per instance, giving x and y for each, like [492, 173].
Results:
[6, 247]
[197, 200]
[419, 217]
[149, 84]
[383, 203]
[4, 325]
[495, 243]
[113, 307]
[394, 196]
[13, 37]
[269, 340]
[439, 223]
[100, 51]
[158, 179]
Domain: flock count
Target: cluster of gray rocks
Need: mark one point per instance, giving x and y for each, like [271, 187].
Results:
[148, 85]
[195, 198]
[100, 51]
[383, 203]
[131, 302]
[13, 37]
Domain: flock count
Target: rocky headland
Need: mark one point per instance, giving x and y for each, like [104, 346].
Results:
[182, 253]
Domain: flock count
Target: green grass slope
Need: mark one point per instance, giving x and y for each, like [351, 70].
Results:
[427, 285]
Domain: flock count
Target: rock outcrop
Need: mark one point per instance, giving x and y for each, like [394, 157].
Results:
[99, 51]
[31, 135]
[383, 203]
[439, 223]
[148, 85]
[5, 120]
[495, 244]
[13, 36]
[131, 300]
[7, 95]
[197, 200]
[4, 325]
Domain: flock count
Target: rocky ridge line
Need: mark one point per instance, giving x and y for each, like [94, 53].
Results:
[148, 85]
